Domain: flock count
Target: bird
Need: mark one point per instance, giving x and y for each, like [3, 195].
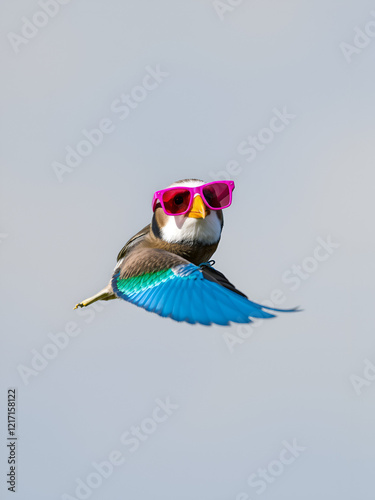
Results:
[166, 269]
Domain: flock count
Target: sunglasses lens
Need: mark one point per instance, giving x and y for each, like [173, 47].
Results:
[217, 195]
[176, 201]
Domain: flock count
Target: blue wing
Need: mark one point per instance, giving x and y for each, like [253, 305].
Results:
[183, 293]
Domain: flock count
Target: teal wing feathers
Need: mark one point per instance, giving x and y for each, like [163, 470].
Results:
[186, 292]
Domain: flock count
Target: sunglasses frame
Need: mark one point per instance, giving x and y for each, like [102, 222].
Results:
[158, 196]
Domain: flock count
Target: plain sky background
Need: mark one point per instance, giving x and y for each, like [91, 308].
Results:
[59, 241]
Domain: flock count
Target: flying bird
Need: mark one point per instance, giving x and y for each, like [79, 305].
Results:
[166, 269]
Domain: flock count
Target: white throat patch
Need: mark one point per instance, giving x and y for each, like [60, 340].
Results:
[180, 228]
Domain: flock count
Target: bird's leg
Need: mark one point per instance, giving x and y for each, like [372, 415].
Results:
[105, 294]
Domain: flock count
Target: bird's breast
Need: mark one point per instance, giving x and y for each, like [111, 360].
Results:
[193, 252]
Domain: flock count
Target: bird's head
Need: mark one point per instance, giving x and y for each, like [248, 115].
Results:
[190, 211]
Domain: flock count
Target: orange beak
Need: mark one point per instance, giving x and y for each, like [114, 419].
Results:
[198, 209]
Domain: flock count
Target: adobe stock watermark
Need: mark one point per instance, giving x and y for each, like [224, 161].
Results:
[30, 27]
[254, 145]
[362, 39]
[121, 107]
[58, 342]
[264, 476]
[224, 7]
[132, 439]
[365, 379]
[294, 276]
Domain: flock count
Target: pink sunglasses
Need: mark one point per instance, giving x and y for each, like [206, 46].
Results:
[178, 200]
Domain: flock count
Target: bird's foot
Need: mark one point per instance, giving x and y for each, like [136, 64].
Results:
[81, 304]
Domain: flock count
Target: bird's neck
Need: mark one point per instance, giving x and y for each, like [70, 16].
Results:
[193, 251]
